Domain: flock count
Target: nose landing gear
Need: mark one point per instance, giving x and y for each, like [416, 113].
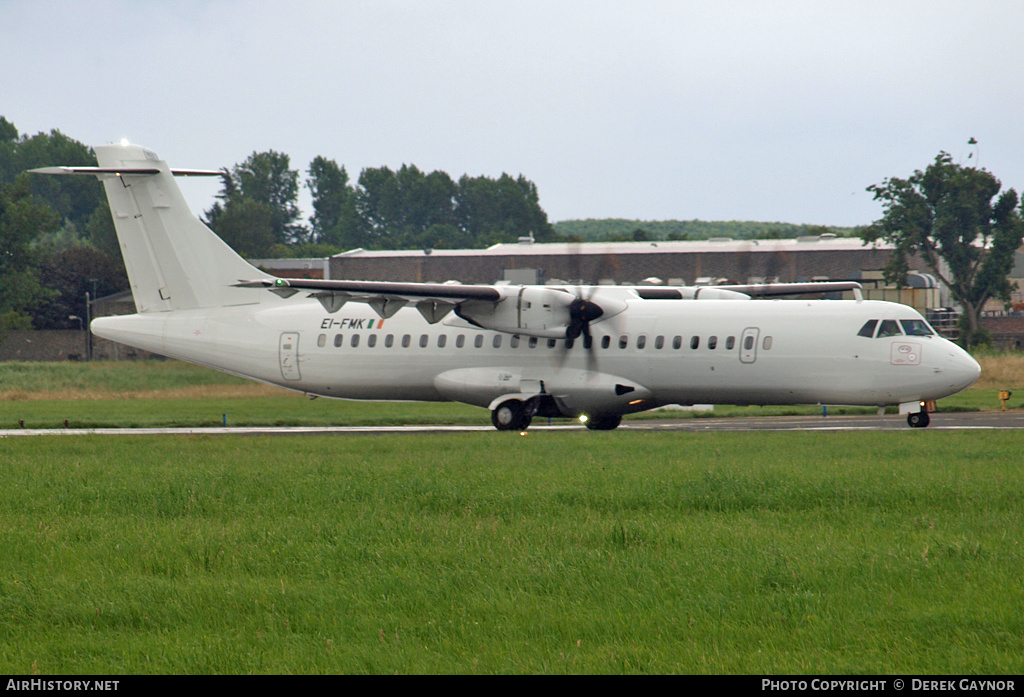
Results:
[918, 419]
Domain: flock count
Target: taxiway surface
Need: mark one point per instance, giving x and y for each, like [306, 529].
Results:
[939, 421]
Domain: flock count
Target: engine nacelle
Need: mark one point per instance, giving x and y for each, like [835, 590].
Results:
[529, 310]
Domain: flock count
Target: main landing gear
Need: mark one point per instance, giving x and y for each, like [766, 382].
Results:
[604, 422]
[512, 415]
[516, 415]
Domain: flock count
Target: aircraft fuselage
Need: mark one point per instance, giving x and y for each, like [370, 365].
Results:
[658, 352]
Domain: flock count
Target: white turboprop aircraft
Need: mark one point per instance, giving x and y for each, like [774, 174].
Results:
[593, 352]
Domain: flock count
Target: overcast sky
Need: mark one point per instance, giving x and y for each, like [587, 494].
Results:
[718, 110]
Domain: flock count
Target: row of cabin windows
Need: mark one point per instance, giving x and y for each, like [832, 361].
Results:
[533, 342]
[880, 329]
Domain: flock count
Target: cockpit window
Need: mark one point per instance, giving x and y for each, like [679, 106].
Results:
[889, 327]
[868, 329]
[916, 327]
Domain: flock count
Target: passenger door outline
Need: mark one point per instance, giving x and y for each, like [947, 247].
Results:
[749, 338]
[288, 353]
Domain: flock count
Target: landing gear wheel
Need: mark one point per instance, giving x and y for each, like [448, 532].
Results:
[604, 422]
[511, 415]
[918, 419]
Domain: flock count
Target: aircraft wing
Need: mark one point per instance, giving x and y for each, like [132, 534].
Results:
[541, 311]
[778, 290]
[433, 300]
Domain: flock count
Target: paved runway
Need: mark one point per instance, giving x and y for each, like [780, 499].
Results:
[939, 421]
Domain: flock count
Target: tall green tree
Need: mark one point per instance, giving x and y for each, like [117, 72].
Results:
[397, 208]
[957, 220]
[502, 210]
[334, 220]
[266, 179]
[22, 218]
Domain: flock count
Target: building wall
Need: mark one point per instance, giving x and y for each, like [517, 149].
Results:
[591, 268]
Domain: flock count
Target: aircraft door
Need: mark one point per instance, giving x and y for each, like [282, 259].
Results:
[748, 345]
[288, 352]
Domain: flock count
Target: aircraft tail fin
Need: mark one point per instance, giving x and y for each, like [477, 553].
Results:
[174, 261]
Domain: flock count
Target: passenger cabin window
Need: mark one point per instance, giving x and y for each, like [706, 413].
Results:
[623, 341]
[406, 341]
[321, 340]
[372, 340]
[677, 342]
[659, 342]
[695, 342]
[338, 339]
[514, 341]
[767, 343]
[730, 343]
[442, 340]
[641, 341]
[606, 341]
[460, 341]
[389, 341]
[355, 340]
[496, 343]
[532, 343]
[478, 342]
[712, 342]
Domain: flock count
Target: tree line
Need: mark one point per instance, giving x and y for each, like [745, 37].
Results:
[257, 213]
[57, 239]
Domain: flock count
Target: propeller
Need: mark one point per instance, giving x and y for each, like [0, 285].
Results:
[582, 312]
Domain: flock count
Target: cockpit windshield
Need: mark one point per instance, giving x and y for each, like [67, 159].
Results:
[881, 328]
[916, 327]
[888, 327]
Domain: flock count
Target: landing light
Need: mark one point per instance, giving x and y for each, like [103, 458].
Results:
[583, 418]
[124, 143]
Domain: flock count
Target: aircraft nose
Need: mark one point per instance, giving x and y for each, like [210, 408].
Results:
[961, 369]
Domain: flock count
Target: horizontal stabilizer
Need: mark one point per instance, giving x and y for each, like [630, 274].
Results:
[97, 171]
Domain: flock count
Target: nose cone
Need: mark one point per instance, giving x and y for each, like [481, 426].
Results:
[960, 369]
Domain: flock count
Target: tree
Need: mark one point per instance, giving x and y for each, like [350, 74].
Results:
[22, 218]
[334, 220]
[502, 210]
[966, 231]
[398, 208]
[264, 178]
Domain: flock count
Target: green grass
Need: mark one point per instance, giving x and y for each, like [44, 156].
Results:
[24, 378]
[558, 552]
[175, 394]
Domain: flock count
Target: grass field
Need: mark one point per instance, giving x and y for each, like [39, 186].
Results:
[171, 393]
[558, 552]
[632, 553]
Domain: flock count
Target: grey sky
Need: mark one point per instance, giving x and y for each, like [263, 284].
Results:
[648, 109]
